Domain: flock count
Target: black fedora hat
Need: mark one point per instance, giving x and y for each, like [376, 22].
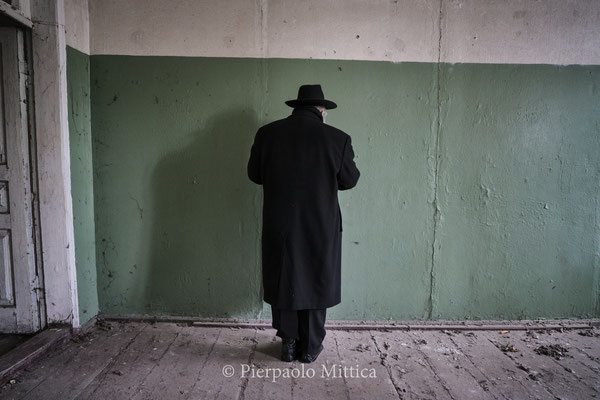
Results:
[311, 95]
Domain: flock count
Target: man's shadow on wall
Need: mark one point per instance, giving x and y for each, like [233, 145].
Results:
[204, 231]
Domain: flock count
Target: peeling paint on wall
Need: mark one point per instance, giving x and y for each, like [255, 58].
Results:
[479, 198]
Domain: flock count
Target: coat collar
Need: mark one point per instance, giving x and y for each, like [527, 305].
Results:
[310, 112]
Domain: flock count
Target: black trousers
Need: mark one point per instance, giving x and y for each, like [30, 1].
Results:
[306, 325]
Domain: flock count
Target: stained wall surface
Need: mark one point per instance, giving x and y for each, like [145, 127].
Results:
[503, 224]
[453, 31]
[82, 183]
[476, 129]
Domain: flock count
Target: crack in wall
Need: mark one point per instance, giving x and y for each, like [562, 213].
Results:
[436, 210]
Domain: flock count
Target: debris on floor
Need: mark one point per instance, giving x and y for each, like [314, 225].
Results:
[535, 375]
[523, 367]
[589, 333]
[553, 350]
[484, 385]
[362, 347]
[447, 350]
[508, 347]
[532, 334]
[104, 325]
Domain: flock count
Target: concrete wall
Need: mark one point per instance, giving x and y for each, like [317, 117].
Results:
[475, 126]
[80, 138]
[82, 193]
[488, 212]
[77, 25]
[452, 31]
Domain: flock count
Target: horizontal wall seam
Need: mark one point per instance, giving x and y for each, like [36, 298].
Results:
[406, 61]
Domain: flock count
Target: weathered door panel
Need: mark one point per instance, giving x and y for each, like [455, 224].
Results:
[18, 280]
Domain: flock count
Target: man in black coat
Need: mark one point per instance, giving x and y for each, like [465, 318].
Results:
[301, 162]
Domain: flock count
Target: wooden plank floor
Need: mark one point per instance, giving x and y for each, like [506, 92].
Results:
[136, 360]
[10, 341]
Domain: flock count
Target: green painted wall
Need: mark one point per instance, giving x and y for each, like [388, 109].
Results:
[80, 138]
[518, 190]
[478, 196]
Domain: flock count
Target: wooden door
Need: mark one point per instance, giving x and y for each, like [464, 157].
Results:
[19, 302]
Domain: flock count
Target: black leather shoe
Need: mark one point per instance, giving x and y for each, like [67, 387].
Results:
[288, 349]
[308, 358]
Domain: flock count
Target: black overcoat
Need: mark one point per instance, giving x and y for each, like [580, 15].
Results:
[301, 163]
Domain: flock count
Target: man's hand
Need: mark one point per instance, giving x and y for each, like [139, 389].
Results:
[348, 174]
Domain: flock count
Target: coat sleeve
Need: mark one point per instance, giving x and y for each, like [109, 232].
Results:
[254, 162]
[348, 174]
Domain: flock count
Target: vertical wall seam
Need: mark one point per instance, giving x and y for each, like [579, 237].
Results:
[264, 50]
[596, 266]
[92, 199]
[435, 171]
[262, 91]
[89, 33]
[264, 45]
[95, 181]
[596, 263]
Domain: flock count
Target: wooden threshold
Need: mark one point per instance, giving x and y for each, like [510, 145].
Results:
[28, 351]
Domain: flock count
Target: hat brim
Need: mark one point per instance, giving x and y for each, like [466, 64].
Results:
[328, 104]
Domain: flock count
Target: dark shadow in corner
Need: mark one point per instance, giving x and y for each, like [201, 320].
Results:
[204, 228]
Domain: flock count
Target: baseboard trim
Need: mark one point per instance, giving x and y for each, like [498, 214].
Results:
[369, 324]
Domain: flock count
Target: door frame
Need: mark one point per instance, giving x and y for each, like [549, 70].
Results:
[44, 27]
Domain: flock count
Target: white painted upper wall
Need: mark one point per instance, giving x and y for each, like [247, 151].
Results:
[521, 31]
[352, 29]
[476, 31]
[77, 25]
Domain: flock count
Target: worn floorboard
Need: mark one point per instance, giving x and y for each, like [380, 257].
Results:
[560, 382]
[504, 378]
[180, 365]
[410, 373]
[450, 365]
[217, 380]
[10, 341]
[64, 373]
[358, 352]
[171, 360]
[266, 386]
